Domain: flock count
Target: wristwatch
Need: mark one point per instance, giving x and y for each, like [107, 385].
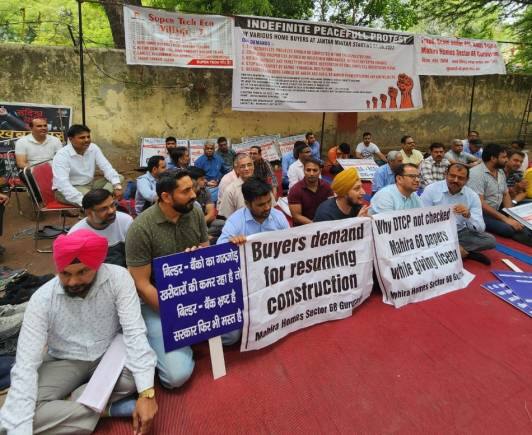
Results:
[148, 394]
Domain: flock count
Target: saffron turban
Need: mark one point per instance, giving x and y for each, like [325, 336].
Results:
[89, 248]
[344, 181]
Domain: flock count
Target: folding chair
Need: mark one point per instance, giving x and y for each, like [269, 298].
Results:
[39, 179]
[14, 182]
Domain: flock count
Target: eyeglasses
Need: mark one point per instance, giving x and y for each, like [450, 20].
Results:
[412, 176]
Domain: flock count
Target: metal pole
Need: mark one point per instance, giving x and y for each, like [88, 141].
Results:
[322, 130]
[471, 104]
[81, 65]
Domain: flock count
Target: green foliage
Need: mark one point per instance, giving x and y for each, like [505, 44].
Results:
[45, 22]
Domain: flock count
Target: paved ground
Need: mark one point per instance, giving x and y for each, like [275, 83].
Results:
[17, 238]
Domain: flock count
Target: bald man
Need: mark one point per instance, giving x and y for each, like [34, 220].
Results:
[68, 325]
[38, 146]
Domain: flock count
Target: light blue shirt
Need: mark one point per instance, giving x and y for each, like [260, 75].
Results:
[438, 194]
[315, 149]
[286, 161]
[390, 199]
[213, 166]
[384, 176]
[478, 154]
[146, 191]
[242, 223]
[170, 163]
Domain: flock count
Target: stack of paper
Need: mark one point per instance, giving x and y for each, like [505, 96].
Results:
[514, 288]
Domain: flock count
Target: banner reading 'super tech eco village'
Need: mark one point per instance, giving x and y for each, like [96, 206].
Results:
[302, 276]
[287, 65]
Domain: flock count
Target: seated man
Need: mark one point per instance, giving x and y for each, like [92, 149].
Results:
[401, 195]
[257, 216]
[286, 161]
[74, 166]
[348, 202]
[306, 195]
[225, 182]
[514, 176]
[233, 198]
[38, 146]
[212, 164]
[226, 154]
[368, 150]
[457, 155]
[342, 151]
[69, 324]
[385, 174]
[312, 142]
[519, 145]
[263, 169]
[171, 144]
[146, 193]
[475, 148]
[301, 153]
[408, 151]
[204, 200]
[489, 181]
[434, 167]
[180, 158]
[103, 219]
[466, 205]
[472, 135]
[173, 224]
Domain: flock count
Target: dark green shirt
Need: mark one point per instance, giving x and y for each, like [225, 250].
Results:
[152, 235]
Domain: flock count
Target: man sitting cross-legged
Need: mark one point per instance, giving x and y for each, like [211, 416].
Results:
[466, 205]
[68, 325]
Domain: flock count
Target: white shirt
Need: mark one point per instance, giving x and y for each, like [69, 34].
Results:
[234, 199]
[367, 151]
[72, 169]
[296, 173]
[74, 328]
[37, 152]
[226, 180]
[114, 233]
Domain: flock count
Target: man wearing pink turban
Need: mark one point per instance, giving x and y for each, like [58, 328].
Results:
[69, 324]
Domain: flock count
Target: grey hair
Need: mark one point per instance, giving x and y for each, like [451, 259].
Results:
[239, 156]
[457, 142]
[392, 155]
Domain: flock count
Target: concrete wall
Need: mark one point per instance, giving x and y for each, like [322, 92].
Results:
[126, 102]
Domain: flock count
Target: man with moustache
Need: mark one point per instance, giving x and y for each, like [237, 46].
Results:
[467, 208]
[348, 200]
[408, 151]
[103, 219]
[306, 195]
[173, 224]
[146, 194]
[38, 146]
[69, 324]
[434, 167]
[74, 166]
[489, 181]
[257, 216]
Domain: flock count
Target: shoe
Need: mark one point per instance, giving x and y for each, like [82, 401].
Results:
[481, 258]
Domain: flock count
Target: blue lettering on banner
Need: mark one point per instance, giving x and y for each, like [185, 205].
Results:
[200, 294]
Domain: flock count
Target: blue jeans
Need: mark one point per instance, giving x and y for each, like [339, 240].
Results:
[174, 367]
[214, 193]
[498, 227]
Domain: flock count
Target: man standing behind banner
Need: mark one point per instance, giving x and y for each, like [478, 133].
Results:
[466, 205]
[257, 216]
[348, 201]
[171, 225]
[401, 195]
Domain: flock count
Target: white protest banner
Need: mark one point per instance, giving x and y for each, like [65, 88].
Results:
[417, 255]
[155, 37]
[440, 56]
[289, 66]
[366, 167]
[156, 146]
[263, 136]
[268, 146]
[286, 144]
[302, 276]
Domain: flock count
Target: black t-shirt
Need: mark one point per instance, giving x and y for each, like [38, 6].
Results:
[329, 211]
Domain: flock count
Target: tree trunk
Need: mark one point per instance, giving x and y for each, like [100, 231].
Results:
[115, 15]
